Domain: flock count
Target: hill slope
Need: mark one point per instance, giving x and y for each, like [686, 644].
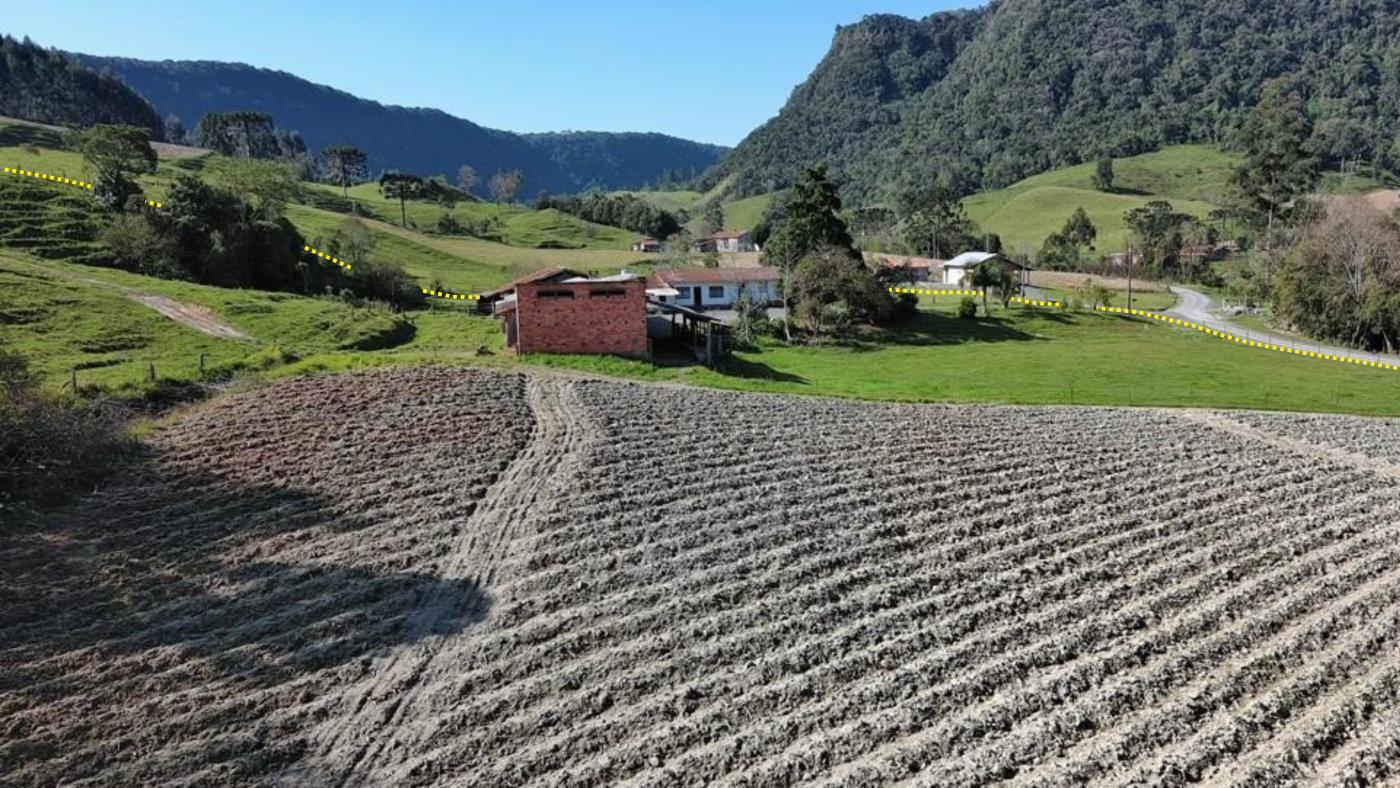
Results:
[420, 140]
[42, 85]
[986, 97]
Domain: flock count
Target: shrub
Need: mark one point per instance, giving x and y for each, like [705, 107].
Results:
[967, 308]
[50, 445]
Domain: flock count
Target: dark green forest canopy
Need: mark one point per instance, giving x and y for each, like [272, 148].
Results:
[980, 98]
[43, 85]
[412, 139]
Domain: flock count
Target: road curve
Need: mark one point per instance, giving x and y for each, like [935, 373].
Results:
[1198, 308]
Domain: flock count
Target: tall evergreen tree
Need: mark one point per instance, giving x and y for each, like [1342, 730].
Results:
[1278, 166]
[345, 165]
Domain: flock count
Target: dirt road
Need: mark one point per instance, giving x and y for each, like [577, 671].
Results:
[1198, 308]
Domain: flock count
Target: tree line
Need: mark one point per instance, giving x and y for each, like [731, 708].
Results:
[626, 211]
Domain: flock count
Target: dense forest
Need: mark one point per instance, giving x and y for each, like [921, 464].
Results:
[42, 85]
[410, 139]
[979, 99]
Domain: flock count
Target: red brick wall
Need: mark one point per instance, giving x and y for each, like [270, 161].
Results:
[586, 323]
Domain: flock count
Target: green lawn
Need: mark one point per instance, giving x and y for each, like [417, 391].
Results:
[1024, 216]
[1040, 357]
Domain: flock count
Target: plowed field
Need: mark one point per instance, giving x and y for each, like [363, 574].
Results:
[475, 578]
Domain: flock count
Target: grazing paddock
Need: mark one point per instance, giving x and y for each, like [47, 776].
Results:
[443, 576]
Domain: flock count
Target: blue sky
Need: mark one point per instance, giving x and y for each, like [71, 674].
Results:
[709, 70]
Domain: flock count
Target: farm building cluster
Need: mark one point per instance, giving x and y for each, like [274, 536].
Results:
[674, 310]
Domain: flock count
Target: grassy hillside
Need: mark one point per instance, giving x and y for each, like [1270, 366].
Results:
[518, 225]
[64, 316]
[1194, 178]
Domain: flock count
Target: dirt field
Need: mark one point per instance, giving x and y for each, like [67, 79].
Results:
[473, 578]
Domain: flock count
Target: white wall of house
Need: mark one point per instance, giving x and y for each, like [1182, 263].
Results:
[722, 296]
[954, 276]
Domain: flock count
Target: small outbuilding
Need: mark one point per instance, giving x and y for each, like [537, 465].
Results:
[954, 271]
[606, 315]
[648, 245]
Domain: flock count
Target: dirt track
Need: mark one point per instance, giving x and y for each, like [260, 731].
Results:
[446, 576]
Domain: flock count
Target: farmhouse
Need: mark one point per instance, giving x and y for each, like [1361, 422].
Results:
[606, 315]
[649, 245]
[714, 288]
[727, 241]
[955, 271]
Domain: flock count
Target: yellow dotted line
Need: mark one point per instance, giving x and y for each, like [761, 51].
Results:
[46, 177]
[327, 257]
[451, 296]
[913, 291]
[1015, 299]
[1031, 302]
[1118, 310]
[43, 176]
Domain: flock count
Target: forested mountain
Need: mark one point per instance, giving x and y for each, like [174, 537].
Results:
[425, 141]
[42, 85]
[982, 98]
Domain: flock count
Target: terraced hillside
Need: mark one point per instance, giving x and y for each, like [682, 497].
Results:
[465, 577]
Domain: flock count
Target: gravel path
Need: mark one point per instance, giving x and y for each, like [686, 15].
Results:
[1198, 308]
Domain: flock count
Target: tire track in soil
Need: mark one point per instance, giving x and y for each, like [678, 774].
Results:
[1312, 451]
[356, 744]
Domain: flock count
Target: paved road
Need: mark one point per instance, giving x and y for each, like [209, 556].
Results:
[1198, 308]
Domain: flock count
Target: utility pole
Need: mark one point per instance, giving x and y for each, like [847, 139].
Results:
[1130, 276]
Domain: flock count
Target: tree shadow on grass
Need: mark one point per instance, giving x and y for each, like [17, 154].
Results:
[933, 328]
[737, 367]
[171, 593]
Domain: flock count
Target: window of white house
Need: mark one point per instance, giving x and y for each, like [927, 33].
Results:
[682, 292]
[716, 291]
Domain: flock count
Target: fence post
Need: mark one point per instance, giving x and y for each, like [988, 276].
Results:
[73, 379]
[201, 365]
[152, 373]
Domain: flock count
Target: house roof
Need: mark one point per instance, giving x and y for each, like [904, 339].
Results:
[723, 235]
[575, 280]
[716, 276]
[541, 275]
[911, 262]
[970, 259]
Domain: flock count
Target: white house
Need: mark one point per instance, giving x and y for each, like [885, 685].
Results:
[714, 288]
[955, 270]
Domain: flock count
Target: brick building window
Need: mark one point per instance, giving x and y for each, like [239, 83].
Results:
[548, 295]
[607, 294]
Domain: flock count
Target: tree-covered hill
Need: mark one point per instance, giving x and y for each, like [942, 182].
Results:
[45, 86]
[984, 97]
[419, 140]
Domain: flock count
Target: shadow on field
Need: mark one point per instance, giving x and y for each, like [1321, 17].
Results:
[737, 367]
[181, 579]
[933, 328]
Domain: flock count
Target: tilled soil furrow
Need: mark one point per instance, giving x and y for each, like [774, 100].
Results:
[1313, 612]
[1011, 603]
[970, 706]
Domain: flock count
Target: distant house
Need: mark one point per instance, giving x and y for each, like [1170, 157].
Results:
[606, 315]
[648, 245]
[714, 288]
[726, 241]
[911, 269]
[955, 271]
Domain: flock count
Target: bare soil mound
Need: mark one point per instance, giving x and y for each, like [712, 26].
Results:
[459, 577]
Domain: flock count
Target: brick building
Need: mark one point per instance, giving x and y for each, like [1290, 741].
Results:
[577, 315]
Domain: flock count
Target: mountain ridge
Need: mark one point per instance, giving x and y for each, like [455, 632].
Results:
[419, 139]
